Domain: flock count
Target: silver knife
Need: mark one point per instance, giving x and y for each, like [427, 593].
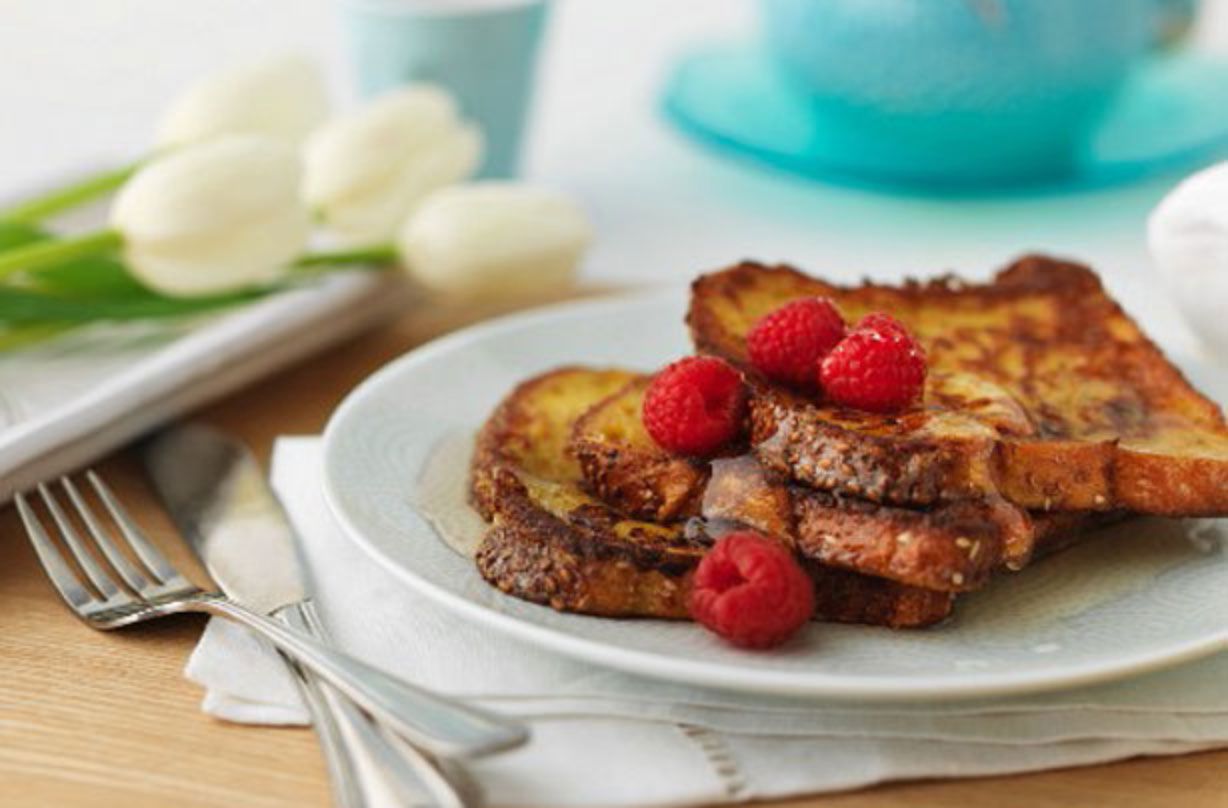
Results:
[217, 496]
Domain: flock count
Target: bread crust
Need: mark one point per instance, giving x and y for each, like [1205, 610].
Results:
[1042, 391]
[570, 564]
[550, 542]
[608, 441]
[948, 547]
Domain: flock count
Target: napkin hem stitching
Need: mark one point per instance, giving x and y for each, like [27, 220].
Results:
[720, 758]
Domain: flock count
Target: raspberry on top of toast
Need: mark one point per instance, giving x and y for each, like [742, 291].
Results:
[1041, 390]
[950, 547]
[552, 541]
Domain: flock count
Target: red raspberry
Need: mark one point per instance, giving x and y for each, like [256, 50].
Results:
[878, 367]
[695, 406]
[879, 321]
[787, 344]
[751, 591]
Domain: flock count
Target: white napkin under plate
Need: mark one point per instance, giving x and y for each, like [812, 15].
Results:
[604, 738]
[66, 402]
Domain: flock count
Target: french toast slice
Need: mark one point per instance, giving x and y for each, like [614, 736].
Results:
[1041, 390]
[948, 547]
[552, 543]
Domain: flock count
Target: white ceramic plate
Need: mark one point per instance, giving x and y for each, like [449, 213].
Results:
[1142, 596]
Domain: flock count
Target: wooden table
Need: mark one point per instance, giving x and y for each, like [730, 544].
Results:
[88, 719]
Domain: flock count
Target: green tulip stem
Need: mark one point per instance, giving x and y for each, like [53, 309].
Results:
[58, 251]
[14, 337]
[379, 256]
[51, 202]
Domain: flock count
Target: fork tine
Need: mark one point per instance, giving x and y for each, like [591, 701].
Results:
[93, 570]
[126, 569]
[62, 577]
[150, 556]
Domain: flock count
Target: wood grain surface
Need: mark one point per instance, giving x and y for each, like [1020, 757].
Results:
[91, 719]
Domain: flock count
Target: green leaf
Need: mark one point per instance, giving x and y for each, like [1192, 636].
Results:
[84, 276]
[96, 276]
[23, 306]
[53, 299]
[19, 234]
[14, 337]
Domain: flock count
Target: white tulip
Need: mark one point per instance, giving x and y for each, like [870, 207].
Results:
[282, 97]
[367, 171]
[494, 237]
[1188, 237]
[213, 218]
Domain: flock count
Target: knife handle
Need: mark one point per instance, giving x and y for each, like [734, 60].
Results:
[443, 726]
[406, 771]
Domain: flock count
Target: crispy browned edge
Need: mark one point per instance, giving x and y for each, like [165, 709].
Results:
[569, 565]
[791, 437]
[656, 486]
[842, 596]
[1059, 475]
[505, 434]
[577, 565]
[950, 547]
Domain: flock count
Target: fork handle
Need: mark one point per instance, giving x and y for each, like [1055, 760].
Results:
[342, 770]
[443, 726]
[342, 766]
[411, 777]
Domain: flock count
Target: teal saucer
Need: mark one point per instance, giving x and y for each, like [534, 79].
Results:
[1171, 116]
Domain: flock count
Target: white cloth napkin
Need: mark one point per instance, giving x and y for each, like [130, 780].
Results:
[603, 738]
[64, 403]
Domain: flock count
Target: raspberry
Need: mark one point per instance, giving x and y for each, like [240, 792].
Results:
[878, 367]
[695, 406]
[880, 321]
[787, 344]
[751, 591]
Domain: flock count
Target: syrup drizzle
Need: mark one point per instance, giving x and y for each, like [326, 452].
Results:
[441, 494]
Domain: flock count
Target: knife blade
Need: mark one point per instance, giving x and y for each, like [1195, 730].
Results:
[215, 492]
[218, 498]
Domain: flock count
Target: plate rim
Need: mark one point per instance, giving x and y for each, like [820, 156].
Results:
[680, 670]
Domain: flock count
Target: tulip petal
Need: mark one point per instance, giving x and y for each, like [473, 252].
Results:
[355, 152]
[282, 97]
[374, 216]
[366, 172]
[493, 237]
[213, 218]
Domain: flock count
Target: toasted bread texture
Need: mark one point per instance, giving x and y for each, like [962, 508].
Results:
[553, 543]
[1041, 391]
[530, 430]
[622, 464]
[948, 547]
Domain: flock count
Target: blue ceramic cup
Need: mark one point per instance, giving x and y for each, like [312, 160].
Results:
[961, 91]
[484, 51]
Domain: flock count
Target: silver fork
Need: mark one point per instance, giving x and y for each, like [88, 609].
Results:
[411, 777]
[159, 589]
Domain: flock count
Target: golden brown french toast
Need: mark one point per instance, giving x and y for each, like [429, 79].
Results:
[949, 547]
[550, 542]
[623, 465]
[1041, 390]
[529, 430]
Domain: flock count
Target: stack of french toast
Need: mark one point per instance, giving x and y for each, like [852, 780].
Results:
[1046, 411]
